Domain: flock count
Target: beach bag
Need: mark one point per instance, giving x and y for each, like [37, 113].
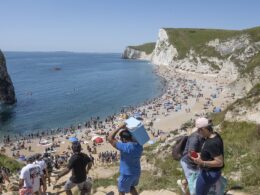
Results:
[179, 147]
[216, 189]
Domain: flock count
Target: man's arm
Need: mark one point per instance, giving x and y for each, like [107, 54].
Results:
[62, 173]
[21, 182]
[111, 137]
[88, 167]
[217, 162]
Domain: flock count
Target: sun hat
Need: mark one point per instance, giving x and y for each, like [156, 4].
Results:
[202, 122]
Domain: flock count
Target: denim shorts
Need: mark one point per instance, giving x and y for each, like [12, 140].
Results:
[85, 185]
[125, 182]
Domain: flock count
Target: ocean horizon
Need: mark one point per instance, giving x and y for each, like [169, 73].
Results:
[60, 89]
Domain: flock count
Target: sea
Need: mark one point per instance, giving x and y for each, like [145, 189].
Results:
[60, 89]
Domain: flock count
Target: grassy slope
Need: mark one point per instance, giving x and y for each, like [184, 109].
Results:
[186, 39]
[242, 149]
[12, 164]
[251, 99]
[242, 145]
[147, 47]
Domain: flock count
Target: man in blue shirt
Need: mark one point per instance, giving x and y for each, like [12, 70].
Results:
[130, 155]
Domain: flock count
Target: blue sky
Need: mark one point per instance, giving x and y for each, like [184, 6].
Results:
[111, 25]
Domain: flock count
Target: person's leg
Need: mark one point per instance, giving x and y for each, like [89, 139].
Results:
[133, 191]
[205, 180]
[134, 182]
[188, 188]
[85, 187]
[68, 186]
[124, 184]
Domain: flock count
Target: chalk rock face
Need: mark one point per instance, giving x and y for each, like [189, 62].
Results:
[7, 94]
[130, 53]
[164, 52]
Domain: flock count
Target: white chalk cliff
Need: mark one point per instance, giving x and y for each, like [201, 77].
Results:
[131, 53]
[232, 55]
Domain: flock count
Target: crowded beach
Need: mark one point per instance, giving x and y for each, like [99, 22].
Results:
[186, 97]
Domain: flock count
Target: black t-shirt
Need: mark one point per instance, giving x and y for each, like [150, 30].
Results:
[212, 148]
[78, 163]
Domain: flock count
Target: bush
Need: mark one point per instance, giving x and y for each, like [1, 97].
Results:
[10, 163]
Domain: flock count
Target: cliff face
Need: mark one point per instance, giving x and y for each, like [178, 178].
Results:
[232, 56]
[131, 53]
[219, 53]
[164, 52]
[7, 94]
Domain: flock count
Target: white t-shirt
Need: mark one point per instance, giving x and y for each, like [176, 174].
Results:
[42, 164]
[31, 174]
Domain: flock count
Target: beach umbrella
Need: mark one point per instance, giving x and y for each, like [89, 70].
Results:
[44, 142]
[217, 109]
[98, 140]
[22, 158]
[73, 139]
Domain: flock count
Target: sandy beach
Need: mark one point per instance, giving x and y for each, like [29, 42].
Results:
[186, 97]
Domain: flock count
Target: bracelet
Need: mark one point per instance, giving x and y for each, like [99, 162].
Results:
[204, 164]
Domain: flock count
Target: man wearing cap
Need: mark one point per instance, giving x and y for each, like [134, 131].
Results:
[80, 165]
[30, 175]
[211, 158]
[130, 155]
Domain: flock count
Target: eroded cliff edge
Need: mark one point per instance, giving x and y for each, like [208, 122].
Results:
[7, 93]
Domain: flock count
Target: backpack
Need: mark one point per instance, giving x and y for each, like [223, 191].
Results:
[179, 147]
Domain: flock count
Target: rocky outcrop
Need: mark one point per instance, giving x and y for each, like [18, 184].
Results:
[164, 52]
[7, 93]
[131, 53]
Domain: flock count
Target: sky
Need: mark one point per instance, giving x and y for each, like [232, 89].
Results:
[108, 26]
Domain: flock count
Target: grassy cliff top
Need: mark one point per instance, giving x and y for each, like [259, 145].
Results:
[147, 47]
[185, 39]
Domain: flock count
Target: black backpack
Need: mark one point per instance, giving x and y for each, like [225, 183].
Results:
[179, 147]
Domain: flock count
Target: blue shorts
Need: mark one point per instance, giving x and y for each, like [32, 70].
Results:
[125, 182]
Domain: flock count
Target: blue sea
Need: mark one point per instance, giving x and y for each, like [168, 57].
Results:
[60, 89]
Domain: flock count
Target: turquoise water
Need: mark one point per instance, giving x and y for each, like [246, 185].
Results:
[58, 89]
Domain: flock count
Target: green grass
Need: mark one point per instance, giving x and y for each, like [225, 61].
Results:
[165, 177]
[251, 99]
[254, 62]
[186, 39]
[242, 149]
[147, 47]
[105, 182]
[254, 33]
[10, 163]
